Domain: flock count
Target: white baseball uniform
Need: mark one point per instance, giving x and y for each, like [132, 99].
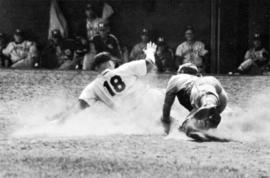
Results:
[112, 85]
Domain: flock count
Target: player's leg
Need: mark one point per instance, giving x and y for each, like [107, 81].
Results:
[184, 99]
[197, 129]
[19, 64]
[62, 116]
[245, 66]
[194, 121]
[203, 118]
[24, 64]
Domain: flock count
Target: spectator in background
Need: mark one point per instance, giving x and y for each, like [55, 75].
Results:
[66, 59]
[88, 58]
[81, 50]
[164, 56]
[256, 58]
[22, 53]
[59, 52]
[106, 42]
[191, 51]
[137, 51]
[91, 22]
[3, 60]
[53, 51]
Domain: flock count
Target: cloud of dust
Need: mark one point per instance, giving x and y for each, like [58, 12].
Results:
[140, 114]
[249, 123]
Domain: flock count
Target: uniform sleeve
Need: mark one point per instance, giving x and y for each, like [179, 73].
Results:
[179, 51]
[8, 49]
[247, 55]
[171, 83]
[133, 53]
[136, 68]
[33, 52]
[89, 95]
[118, 48]
[202, 50]
[223, 101]
[176, 82]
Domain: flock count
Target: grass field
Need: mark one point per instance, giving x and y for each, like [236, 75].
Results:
[122, 155]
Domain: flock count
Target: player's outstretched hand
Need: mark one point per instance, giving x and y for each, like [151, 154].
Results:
[166, 123]
[150, 51]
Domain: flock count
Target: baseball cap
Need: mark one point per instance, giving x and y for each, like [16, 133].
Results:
[257, 36]
[161, 41]
[89, 7]
[56, 33]
[101, 58]
[189, 27]
[18, 32]
[145, 32]
[188, 68]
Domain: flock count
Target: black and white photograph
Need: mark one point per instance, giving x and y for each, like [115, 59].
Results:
[134, 89]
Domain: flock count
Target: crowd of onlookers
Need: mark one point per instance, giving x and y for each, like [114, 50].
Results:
[79, 53]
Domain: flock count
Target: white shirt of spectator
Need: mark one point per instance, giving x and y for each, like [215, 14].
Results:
[192, 52]
[126, 77]
[92, 27]
[17, 52]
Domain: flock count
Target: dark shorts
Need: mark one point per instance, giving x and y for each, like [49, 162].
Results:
[184, 99]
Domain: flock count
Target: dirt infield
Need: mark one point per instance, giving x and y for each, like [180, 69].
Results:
[120, 155]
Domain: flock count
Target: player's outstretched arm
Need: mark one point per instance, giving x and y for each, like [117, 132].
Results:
[74, 109]
[150, 55]
[166, 112]
[141, 67]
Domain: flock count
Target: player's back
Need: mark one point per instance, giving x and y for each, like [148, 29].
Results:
[211, 85]
[113, 85]
[180, 82]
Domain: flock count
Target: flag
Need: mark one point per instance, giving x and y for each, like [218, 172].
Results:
[107, 11]
[57, 20]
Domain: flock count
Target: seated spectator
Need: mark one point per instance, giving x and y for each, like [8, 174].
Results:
[191, 51]
[52, 51]
[137, 51]
[164, 57]
[66, 58]
[256, 58]
[89, 58]
[20, 52]
[3, 60]
[106, 42]
[59, 52]
[81, 49]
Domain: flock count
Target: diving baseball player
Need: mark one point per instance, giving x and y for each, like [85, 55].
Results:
[204, 97]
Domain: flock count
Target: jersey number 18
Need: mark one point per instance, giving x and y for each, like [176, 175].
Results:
[117, 83]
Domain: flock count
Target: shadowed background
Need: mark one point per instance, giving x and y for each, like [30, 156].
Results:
[239, 20]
